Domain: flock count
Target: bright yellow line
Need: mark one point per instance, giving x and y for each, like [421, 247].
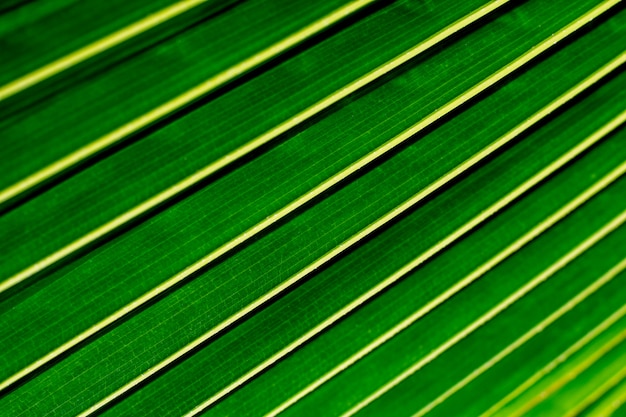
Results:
[616, 270]
[611, 403]
[485, 318]
[330, 255]
[96, 48]
[596, 394]
[168, 284]
[475, 275]
[569, 376]
[396, 62]
[559, 360]
[452, 105]
[272, 219]
[181, 100]
[210, 169]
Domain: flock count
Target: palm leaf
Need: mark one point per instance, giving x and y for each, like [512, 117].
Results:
[312, 208]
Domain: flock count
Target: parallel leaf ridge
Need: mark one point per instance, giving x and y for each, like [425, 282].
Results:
[279, 207]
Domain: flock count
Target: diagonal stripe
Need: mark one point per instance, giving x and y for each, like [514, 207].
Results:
[351, 242]
[182, 100]
[585, 364]
[255, 230]
[476, 159]
[475, 275]
[239, 153]
[616, 270]
[291, 281]
[596, 394]
[611, 403]
[584, 341]
[517, 295]
[97, 47]
[571, 374]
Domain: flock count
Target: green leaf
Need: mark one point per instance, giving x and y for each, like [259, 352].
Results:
[313, 208]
